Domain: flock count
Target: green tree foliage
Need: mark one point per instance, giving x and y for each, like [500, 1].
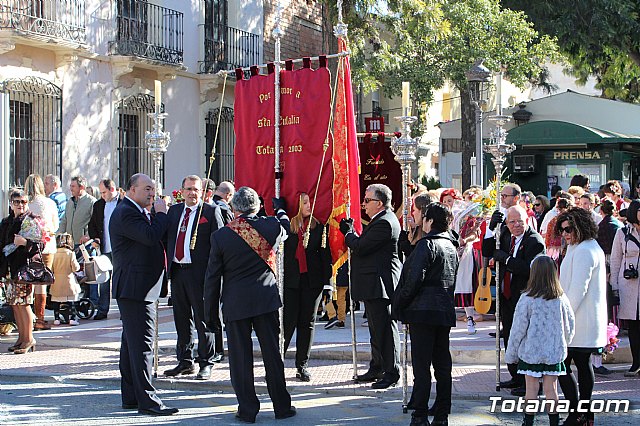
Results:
[430, 42]
[599, 37]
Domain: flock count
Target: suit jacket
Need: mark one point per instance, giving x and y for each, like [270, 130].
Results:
[318, 260]
[225, 209]
[519, 263]
[250, 286]
[210, 221]
[96, 223]
[138, 254]
[375, 264]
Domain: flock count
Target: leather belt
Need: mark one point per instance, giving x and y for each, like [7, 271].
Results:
[181, 265]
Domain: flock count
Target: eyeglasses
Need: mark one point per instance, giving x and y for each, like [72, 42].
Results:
[368, 200]
[567, 230]
[192, 189]
[507, 195]
[20, 202]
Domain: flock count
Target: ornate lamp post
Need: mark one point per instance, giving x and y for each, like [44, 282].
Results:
[157, 143]
[499, 149]
[478, 78]
[404, 148]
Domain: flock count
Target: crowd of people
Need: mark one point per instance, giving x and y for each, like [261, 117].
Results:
[567, 267]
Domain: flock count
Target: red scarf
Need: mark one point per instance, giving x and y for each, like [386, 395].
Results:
[256, 241]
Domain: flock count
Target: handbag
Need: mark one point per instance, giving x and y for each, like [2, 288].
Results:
[35, 272]
[98, 269]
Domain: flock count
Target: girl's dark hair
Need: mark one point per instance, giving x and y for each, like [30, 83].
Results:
[632, 212]
[607, 207]
[563, 203]
[543, 279]
[423, 200]
[555, 189]
[581, 222]
[64, 241]
[441, 216]
[579, 180]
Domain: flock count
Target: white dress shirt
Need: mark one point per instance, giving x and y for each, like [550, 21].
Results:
[187, 237]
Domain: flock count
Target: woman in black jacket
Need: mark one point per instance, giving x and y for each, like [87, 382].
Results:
[424, 300]
[306, 271]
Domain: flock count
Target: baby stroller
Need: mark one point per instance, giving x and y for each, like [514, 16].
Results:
[94, 269]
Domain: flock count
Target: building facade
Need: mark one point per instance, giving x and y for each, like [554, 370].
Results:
[77, 82]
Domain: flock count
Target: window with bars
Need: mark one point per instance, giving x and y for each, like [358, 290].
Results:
[223, 166]
[133, 122]
[35, 128]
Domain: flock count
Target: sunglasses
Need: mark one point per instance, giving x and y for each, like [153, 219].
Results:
[567, 230]
[368, 200]
[536, 204]
[19, 202]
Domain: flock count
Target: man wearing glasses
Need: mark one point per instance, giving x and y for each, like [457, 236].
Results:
[374, 276]
[186, 268]
[519, 245]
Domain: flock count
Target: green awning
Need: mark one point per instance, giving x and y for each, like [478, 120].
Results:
[558, 134]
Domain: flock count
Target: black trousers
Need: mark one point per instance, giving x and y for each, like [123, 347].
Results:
[136, 353]
[430, 345]
[240, 345]
[634, 341]
[187, 296]
[507, 310]
[385, 340]
[300, 305]
[586, 378]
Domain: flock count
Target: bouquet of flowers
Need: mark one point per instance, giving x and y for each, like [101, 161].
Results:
[612, 338]
[488, 198]
[32, 228]
[177, 196]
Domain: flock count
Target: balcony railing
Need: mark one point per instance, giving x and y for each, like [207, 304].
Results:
[227, 48]
[57, 19]
[148, 31]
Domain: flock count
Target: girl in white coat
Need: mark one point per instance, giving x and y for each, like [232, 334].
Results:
[584, 280]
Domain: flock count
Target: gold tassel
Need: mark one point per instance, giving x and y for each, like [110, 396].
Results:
[323, 244]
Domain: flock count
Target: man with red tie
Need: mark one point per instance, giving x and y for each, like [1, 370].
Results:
[519, 245]
[186, 268]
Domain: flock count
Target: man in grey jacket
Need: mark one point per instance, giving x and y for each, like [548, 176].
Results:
[78, 210]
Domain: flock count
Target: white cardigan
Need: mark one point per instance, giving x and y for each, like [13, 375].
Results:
[583, 277]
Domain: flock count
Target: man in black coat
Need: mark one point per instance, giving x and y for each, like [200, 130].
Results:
[375, 271]
[519, 245]
[138, 271]
[98, 228]
[186, 268]
[243, 253]
[221, 197]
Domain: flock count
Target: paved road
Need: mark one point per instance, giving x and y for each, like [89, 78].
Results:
[34, 401]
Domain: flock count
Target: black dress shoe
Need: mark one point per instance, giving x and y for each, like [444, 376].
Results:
[184, 367]
[519, 391]
[368, 377]
[204, 373]
[217, 357]
[384, 383]
[289, 413]
[158, 411]
[244, 419]
[494, 334]
[100, 317]
[303, 375]
[511, 384]
[129, 406]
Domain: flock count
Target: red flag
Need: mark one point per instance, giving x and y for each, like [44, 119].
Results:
[346, 162]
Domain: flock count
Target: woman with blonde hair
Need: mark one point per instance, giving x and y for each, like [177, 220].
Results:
[46, 208]
[307, 269]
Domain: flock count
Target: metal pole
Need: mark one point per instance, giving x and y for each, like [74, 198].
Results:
[479, 153]
[277, 33]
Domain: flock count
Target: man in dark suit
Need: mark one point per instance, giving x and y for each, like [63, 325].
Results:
[243, 253]
[98, 228]
[519, 245]
[375, 271]
[186, 268]
[221, 197]
[138, 271]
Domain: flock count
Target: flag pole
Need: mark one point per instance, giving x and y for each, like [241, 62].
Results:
[341, 31]
[277, 34]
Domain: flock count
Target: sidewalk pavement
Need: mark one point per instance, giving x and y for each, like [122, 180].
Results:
[90, 352]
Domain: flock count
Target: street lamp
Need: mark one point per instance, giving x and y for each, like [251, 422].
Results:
[478, 79]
